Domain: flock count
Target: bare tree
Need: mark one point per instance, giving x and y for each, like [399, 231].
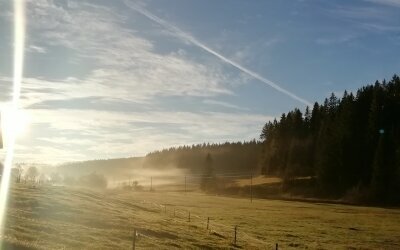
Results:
[55, 178]
[16, 173]
[43, 179]
[32, 173]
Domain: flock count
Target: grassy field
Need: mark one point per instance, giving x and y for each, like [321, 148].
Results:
[258, 180]
[69, 218]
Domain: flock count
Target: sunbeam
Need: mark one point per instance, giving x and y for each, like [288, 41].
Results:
[19, 43]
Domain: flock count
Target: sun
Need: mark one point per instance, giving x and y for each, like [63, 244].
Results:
[14, 123]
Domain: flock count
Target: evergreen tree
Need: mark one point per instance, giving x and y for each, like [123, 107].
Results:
[339, 142]
[208, 181]
[384, 169]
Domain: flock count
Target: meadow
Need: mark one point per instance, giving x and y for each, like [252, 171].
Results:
[58, 217]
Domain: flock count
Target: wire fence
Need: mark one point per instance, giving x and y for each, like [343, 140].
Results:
[188, 182]
[181, 214]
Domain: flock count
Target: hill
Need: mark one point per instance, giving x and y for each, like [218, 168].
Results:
[112, 168]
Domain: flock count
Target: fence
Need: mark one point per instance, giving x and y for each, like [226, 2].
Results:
[230, 232]
[227, 183]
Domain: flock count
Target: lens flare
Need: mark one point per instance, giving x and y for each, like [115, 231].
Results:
[19, 43]
[13, 122]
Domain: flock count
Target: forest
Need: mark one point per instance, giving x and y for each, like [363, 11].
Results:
[239, 157]
[351, 144]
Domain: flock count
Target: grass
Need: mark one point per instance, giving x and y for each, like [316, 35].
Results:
[258, 180]
[69, 218]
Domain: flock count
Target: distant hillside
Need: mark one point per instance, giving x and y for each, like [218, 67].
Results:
[229, 157]
[117, 168]
[226, 157]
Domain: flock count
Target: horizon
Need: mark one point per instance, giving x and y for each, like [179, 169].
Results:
[121, 79]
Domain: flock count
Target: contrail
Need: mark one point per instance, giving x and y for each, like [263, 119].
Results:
[19, 43]
[189, 38]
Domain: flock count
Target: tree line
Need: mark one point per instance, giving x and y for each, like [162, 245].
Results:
[33, 175]
[226, 157]
[351, 145]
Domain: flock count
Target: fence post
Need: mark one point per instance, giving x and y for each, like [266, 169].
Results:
[208, 222]
[165, 208]
[235, 235]
[134, 239]
[185, 184]
[151, 183]
[276, 246]
[189, 216]
[251, 188]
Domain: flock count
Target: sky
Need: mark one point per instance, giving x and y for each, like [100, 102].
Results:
[108, 79]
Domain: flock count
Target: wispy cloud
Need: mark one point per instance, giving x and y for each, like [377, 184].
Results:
[36, 49]
[336, 40]
[392, 3]
[189, 38]
[105, 81]
[123, 68]
[123, 61]
[369, 18]
[85, 134]
[223, 104]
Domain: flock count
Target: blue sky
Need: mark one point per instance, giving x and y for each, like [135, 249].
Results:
[107, 79]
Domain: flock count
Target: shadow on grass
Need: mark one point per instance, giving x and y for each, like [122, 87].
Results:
[13, 246]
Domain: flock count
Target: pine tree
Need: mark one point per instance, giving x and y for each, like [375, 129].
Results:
[384, 169]
[208, 181]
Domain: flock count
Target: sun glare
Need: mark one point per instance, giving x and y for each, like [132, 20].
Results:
[14, 123]
[14, 119]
